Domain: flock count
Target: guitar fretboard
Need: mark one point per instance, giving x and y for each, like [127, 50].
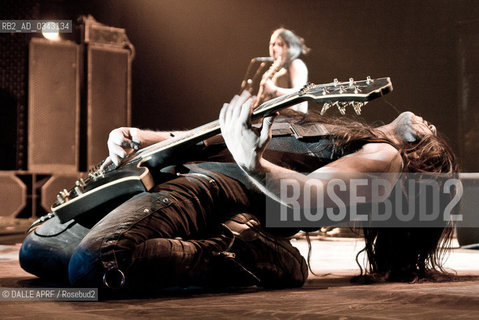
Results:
[213, 127]
[342, 92]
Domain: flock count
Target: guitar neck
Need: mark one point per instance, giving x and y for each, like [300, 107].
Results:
[105, 184]
[212, 128]
[340, 94]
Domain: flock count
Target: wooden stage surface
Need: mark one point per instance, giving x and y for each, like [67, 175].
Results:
[328, 293]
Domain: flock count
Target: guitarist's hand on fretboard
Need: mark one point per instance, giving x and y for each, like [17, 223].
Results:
[245, 143]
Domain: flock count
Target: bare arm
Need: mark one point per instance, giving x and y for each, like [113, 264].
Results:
[298, 77]
[122, 141]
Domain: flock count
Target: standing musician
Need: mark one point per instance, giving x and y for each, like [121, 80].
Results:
[291, 74]
[203, 226]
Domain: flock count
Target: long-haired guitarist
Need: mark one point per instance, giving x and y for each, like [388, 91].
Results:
[288, 73]
[204, 223]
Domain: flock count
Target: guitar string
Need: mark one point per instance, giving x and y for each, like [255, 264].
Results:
[214, 125]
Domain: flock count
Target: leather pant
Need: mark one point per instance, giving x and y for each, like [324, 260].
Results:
[169, 236]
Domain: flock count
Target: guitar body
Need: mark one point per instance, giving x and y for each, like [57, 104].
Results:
[137, 173]
[128, 180]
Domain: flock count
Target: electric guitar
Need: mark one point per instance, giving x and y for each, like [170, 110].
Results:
[134, 174]
[268, 75]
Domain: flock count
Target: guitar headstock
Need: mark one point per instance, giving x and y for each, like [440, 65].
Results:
[351, 93]
[342, 95]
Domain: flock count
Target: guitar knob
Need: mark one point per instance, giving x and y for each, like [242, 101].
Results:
[60, 199]
[78, 190]
[79, 186]
[80, 183]
[64, 194]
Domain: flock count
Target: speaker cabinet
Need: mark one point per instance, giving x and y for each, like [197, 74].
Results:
[13, 194]
[54, 106]
[109, 76]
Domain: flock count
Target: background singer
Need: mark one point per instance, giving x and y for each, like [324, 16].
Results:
[293, 75]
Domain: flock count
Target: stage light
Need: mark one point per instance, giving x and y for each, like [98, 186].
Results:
[51, 31]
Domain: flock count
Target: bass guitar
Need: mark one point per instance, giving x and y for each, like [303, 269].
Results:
[134, 174]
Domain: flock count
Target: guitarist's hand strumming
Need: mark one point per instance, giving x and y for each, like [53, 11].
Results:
[121, 142]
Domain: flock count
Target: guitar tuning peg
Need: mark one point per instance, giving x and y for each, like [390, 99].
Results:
[351, 82]
[335, 81]
[351, 104]
[357, 107]
[80, 183]
[368, 80]
[342, 107]
[325, 107]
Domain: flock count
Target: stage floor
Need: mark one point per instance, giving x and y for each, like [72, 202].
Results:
[328, 294]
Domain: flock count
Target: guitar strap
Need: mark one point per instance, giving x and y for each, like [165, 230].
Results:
[307, 130]
[299, 131]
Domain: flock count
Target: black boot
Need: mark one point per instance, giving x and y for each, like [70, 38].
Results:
[162, 263]
[272, 260]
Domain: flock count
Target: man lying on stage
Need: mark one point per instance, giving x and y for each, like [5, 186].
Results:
[204, 226]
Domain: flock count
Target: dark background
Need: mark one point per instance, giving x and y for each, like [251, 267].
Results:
[191, 55]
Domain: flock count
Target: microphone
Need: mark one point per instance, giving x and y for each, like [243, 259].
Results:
[261, 59]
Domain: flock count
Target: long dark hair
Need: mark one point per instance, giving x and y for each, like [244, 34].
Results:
[400, 253]
[414, 253]
[295, 43]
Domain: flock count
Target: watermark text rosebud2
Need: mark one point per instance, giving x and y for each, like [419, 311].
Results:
[367, 199]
